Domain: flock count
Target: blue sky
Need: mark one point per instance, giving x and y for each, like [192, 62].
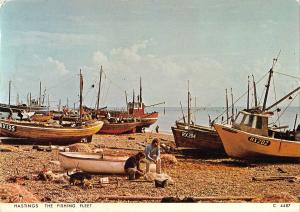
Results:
[214, 44]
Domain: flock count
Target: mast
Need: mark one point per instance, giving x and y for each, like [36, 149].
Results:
[141, 101]
[44, 97]
[189, 112]
[269, 80]
[30, 99]
[9, 89]
[98, 96]
[232, 106]
[126, 101]
[283, 98]
[182, 113]
[40, 96]
[248, 94]
[195, 109]
[255, 95]
[17, 99]
[133, 99]
[227, 113]
[48, 103]
[80, 96]
[59, 104]
[295, 122]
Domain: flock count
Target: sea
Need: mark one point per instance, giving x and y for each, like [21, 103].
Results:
[200, 115]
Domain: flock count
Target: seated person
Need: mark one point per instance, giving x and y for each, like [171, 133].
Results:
[152, 152]
[132, 166]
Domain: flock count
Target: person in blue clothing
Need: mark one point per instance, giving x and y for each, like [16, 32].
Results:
[152, 153]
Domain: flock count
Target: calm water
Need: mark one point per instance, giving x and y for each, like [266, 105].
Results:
[169, 115]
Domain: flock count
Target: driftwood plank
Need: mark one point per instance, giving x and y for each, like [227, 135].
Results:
[207, 198]
[270, 178]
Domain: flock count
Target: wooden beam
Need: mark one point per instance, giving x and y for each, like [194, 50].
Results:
[159, 198]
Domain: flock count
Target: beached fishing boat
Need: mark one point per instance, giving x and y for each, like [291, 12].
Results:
[110, 127]
[92, 162]
[199, 137]
[203, 138]
[136, 110]
[49, 133]
[249, 137]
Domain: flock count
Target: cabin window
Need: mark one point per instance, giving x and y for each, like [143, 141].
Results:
[246, 120]
[239, 119]
[249, 120]
[258, 122]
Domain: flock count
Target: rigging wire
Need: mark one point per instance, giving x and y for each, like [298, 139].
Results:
[285, 109]
[275, 96]
[287, 75]
[240, 97]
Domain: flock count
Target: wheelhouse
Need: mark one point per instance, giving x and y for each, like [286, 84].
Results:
[252, 122]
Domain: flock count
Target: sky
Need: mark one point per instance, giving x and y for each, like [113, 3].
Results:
[212, 44]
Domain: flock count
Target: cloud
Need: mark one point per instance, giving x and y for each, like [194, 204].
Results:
[49, 39]
[57, 66]
[162, 76]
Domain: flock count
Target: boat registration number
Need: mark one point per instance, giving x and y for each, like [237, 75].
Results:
[259, 141]
[188, 135]
[9, 127]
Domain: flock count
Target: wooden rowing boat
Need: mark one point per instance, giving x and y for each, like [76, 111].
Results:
[43, 132]
[92, 162]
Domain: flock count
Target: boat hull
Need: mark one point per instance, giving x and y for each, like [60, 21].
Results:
[240, 144]
[205, 140]
[92, 162]
[146, 119]
[43, 133]
[118, 128]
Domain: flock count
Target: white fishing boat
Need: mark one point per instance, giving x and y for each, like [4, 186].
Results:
[92, 162]
[250, 137]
